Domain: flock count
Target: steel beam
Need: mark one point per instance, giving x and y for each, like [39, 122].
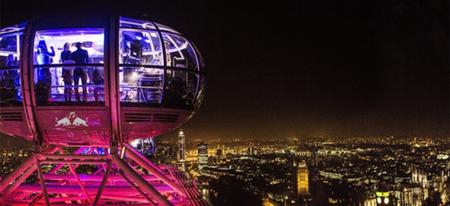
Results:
[152, 168]
[154, 194]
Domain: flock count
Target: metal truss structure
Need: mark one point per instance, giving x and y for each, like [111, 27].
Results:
[57, 175]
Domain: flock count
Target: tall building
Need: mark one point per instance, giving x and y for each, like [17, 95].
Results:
[202, 155]
[181, 156]
[419, 177]
[302, 179]
[181, 153]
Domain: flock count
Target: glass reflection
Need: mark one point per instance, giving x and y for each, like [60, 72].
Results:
[141, 85]
[145, 78]
[135, 23]
[49, 44]
[180, 88]
[10, 92]
[140, 47]
[179, 51]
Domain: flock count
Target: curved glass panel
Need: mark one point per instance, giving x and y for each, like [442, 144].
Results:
[166, 28]
[140, 47]
[141, 85]
[10, 84]
[144, 78]
[135, 23]
[200, 92]
[200, 58]
[179, 52]
[180, 89]
[68, 66]
[12, 29]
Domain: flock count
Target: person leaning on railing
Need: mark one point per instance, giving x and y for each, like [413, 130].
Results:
[44, 57]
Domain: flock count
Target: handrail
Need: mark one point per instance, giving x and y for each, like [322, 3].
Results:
[66, 65]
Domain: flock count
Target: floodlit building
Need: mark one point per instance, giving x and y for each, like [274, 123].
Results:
[302, 179]
[181, 147]
[202, 155]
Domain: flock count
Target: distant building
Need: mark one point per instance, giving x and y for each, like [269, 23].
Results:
[219, 153]
[419, 177]
[304, 153]
[202, 155]
[383, 198]
[302, 179]
[370, 200]
[181, 152]
[331, 175]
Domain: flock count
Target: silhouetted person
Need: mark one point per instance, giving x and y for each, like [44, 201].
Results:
[12, 73]
[13, 77]
[44, 57]
[11, 61]
[98, 80]
[67, 73]
[80, 56]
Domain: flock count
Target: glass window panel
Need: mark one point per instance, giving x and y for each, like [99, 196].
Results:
[9, 44]
[135, 23]
[201, 91]
[200, 58]
[10, 90]
[10, 84]
[166, 28]
[181, 87]
[140, 47]
[179, 52]
[50, 44]
[141, 85]
[74, 80]
[13, 29]
[69, 85]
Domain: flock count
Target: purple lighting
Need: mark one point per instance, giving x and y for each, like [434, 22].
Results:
[88, 92]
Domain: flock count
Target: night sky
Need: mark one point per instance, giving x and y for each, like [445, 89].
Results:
[304, 68]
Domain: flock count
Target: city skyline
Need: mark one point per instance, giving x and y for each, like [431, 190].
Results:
[358, 171]
[278, 103]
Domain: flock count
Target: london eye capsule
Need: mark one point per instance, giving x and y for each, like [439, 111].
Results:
[94, 80]
[82, 88]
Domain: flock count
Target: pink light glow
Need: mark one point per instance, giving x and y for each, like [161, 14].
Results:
[64, 187]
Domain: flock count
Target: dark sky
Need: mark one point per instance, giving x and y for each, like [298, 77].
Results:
[304, 68]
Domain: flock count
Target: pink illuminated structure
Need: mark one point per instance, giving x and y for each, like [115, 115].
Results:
[132, 79]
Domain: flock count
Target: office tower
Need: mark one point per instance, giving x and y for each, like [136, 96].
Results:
[181, 156]
[202, 155]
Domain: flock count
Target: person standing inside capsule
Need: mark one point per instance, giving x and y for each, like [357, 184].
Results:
[67, 72]
[80, 56]
[44, 57]
[10, 78]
